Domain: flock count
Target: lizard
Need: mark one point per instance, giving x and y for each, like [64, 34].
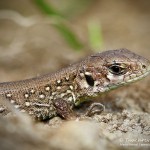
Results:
[58, 93]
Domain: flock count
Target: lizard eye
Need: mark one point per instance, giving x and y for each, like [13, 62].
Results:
[89, 80]
[116, 69]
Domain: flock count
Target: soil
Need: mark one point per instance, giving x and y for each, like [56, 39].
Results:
[28, 50]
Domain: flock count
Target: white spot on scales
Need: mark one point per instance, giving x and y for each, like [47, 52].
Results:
[41, 96]
[8, 95]
[47, 88]
[27, 104]
[26, 95]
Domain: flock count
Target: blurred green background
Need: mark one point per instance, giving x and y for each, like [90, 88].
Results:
[40, 36]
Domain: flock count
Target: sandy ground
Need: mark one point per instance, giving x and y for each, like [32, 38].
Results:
[27, 51]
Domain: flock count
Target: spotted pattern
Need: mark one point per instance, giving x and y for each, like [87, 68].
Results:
[38, 101]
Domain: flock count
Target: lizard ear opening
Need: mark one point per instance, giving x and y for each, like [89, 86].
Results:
[89, 80]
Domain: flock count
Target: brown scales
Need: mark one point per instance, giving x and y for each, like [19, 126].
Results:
[56, 94]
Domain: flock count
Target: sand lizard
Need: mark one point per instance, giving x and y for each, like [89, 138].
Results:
[57, 93]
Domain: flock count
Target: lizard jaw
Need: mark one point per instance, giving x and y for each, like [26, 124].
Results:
[130, 80]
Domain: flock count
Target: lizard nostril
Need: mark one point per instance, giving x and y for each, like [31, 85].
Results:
[143, 66]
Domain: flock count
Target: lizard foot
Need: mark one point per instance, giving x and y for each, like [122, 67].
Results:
[95, 108]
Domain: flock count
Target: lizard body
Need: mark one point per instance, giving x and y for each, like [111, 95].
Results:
[52, 94]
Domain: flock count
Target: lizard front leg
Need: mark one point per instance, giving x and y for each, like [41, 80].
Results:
[64, 109]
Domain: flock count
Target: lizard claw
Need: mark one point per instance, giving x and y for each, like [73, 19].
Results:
[95, 108]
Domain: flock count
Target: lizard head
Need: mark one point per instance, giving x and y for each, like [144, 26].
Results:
[110, 69]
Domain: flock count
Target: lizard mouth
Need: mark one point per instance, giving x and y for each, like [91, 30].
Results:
[143, 75]
[138, 77]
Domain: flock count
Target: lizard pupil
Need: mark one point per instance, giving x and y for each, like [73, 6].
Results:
[116, 69]
[89, 80]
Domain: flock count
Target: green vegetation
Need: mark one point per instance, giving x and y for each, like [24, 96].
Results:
[61, 20]
[95, 35]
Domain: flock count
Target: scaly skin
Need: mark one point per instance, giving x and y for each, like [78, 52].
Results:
[52, 94]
